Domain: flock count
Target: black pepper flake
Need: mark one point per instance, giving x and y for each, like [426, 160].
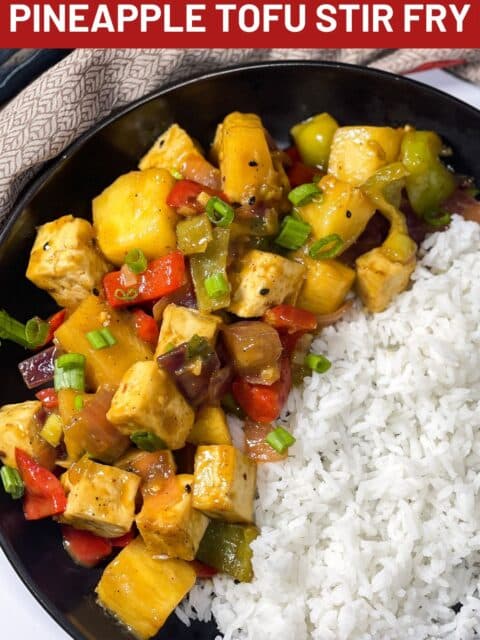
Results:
[264, 291]
[252, 200]
[349, 214]
[46, 246]
[188, 488]
[253, 163]
[95, 291]
[161, 143]
[244, 476]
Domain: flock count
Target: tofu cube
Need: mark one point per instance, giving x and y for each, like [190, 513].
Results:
[19, 427]
[148, 400]
[326, 285]
[180, 324]
[262, 281]
[100, 499]
[210, 427]
[169, 524]
[65, 261]
[142, 591]
[379, 279]
[224, 483]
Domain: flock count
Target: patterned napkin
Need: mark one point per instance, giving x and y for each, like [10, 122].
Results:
[89, 83]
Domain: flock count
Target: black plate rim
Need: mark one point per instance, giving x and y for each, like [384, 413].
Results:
[44, 174]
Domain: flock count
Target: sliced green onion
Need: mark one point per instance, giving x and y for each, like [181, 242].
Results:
[219, 212]
[303, 194]
[175, 173]
[12, 329]
[69, 372]
[136, 261]
[317, 363]
[198, 347]
[331, 245]
[280, 440]
[147, 441]
[101, 338]
[293, 233]
[438, 220]
[216, 285]
[78, 403]
[70, 360]
[126, 296]
[12, 482]
[36, 332]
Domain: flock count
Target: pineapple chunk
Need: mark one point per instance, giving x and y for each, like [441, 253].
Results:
[210, 427]
[65, 261]
[180, 324]
[132, 213]
[19, 428]
[326, 284]
[172, 527]
[379, 279]
[148, 400]
[262, 281]
[224, 485]
[247, 167]
[357, 152]
[142, 591]
[175, 149]
[103, 366]
[101, 499]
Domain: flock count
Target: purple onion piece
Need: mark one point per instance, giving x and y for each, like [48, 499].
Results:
[174, 360]
[38, 369]
[220, 383]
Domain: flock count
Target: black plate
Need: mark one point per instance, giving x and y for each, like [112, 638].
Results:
[282, 94]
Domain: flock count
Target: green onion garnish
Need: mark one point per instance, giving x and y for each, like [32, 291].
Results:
[136, 261]
[70, 360]
[69, 372]
[303, 194]
[12, 482]
[36, 332]
[216, 285]
[126, 296]
[317, 363]
[198, 347]
[147, 441]
[293, 233]
[175, 173]
[78, 403]
[331, 245]
[101, 338]
[280, 440]
[438, 220]
[219, 212]
[12, 329]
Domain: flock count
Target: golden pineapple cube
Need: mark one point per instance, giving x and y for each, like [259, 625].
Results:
[100, 499]
[224, 483]
[210, 427]
[148, 400]
[180, 324]
[142, 591]
[326, 284]
[172, 527]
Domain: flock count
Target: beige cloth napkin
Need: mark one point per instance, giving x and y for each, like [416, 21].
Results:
[89, 83]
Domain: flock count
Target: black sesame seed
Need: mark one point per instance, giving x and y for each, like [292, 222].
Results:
[264, 292]
[252, 200]
[161, 143]
[46, 246]
[95, 291]
[349, 214]
[244, 476]
[188, 488]
[253, 163]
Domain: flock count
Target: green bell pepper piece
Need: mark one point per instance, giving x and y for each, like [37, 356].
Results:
[212, 262]
[194, 234]
[313, 138]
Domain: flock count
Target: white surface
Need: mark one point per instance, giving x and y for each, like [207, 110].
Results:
[22, 617]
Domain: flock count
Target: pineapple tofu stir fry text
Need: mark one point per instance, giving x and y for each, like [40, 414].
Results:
[193, 296]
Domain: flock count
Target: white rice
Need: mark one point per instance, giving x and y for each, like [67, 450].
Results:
[371, 529]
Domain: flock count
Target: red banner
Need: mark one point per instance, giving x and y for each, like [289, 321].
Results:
[258, 23]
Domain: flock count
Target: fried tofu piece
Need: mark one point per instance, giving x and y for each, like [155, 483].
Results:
[100, 498]
[169, 525]
[380, 280]
[357, 152]
[148, 400]
[180, 324]
[224, 483]
[210, 427]
[142, 591]
[262, 281]
[65, 261]
[20, 428]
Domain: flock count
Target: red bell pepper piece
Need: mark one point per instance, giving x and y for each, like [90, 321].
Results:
[44, 494]
[84, 547]
[293, 319]
[264, 403]
[162, 276]
[300, 173]
[48, 397]
[293, 153]
[54, 322]
[186, 192]
[203, 570]
[146, 327]
[123, 541]
[289, 341]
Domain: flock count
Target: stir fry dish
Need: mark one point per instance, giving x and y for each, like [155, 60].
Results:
[194, 296]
